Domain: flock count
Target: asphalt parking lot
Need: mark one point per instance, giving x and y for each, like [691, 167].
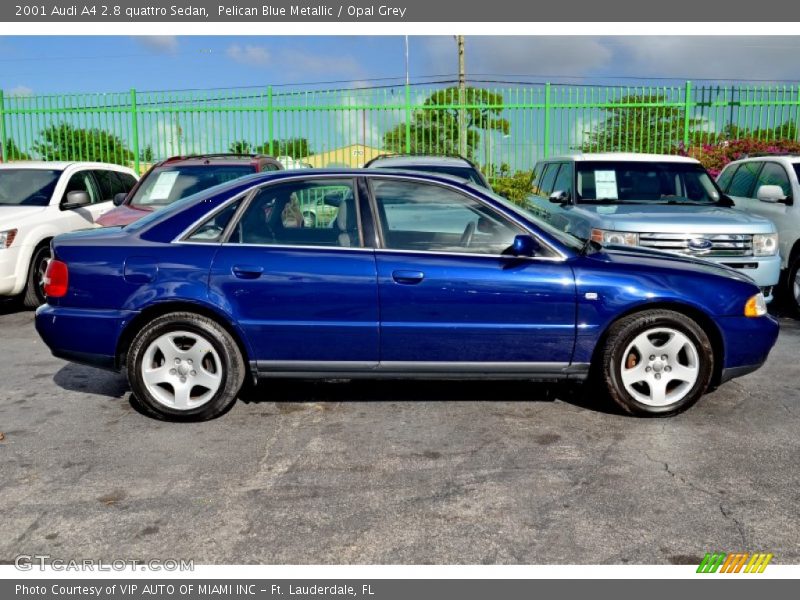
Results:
[388, 472]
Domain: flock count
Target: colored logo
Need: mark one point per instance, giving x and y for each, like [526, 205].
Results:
[737, 562]
[700, 245]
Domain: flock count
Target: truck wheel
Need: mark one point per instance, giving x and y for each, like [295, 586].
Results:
[185, 367]
[657, 363]
[793, 286]
[33, 296]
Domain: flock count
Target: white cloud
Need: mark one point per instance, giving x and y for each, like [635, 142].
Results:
[160, 44]
[519, 55]
[249, 55]
[20, 90]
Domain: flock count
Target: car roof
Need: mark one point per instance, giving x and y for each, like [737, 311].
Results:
[59, 165]
[623, 156]
[791, 158]
[216, 159]
[405, 160]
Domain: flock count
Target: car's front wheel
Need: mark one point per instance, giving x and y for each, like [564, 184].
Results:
[657, 363]
[184, 366]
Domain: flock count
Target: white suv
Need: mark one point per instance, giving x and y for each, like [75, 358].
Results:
[769, 186]
[39, 200]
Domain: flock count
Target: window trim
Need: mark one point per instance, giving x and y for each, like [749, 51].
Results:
[558, 256]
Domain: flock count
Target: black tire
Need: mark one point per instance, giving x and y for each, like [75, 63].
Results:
[622, 335]
[232, 373]
[792, 299]
[33, 295]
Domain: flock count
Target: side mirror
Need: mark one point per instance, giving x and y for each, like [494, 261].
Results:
[524, 245]
[119, 199]
[76, 199]
[559, 197]
[771, 193]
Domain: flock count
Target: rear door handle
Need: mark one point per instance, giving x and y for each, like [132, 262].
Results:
[247, 271]
[408, 277]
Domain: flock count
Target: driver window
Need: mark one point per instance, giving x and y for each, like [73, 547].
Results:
[424, 217]
[81, 182]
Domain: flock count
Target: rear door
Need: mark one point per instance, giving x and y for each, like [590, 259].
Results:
[306, 297]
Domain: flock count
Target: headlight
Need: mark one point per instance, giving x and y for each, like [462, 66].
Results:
[756, 306]
[619, 238]
[7, 238]
[765, 244]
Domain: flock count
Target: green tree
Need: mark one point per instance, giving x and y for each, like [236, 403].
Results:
[65, 142]
[434, 128]
[240, 147]
[147, 155]
[13, 151]
[641, 128]
[298, 147]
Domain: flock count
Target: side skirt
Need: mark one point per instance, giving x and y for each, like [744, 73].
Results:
[420, 370]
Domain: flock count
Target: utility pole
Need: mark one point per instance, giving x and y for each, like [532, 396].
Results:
[462, 98]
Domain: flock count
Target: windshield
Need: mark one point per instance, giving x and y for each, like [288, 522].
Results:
[27, 187]
[467, 173]
[165, 185]
[644, 183]
[567, 239]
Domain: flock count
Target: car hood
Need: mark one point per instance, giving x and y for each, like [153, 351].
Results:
[650, 258]
[675, 218]
[122, 215]
[12, 216]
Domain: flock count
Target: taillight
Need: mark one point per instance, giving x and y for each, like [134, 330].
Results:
[56, 279]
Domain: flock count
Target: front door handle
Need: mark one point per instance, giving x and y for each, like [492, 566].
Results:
[247, 271]
[408, 277]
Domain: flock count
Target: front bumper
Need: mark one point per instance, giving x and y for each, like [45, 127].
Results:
[764, 270]
[747, 342]
[87, 336]
[8, 271]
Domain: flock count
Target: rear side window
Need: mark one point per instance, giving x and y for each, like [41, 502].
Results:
[744, 180]
[774, 174]
[548, 179]
[725, 177]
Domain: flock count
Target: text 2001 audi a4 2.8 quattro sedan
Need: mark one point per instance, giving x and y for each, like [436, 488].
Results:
[415, 275]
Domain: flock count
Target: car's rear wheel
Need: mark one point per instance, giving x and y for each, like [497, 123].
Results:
[184, 366]
[34, 295]
[657, 363]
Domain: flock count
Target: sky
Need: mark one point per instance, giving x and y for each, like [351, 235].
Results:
[58, 64]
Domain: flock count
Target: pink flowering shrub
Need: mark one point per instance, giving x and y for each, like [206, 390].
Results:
[715, 156]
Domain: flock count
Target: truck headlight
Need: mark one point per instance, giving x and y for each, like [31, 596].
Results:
[618, 238]
[7, 237]
[765, 244]
[756, 306]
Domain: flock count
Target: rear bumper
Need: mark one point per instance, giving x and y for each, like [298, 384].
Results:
[84, 336]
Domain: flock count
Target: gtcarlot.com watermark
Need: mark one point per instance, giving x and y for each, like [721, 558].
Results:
[44, 562]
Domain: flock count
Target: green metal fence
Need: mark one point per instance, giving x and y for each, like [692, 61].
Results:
[509, 127]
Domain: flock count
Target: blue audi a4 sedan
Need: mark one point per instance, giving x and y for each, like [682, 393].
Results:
[409, 275]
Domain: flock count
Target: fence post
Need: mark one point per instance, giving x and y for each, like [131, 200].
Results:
[797, 117]
[3, 157]
[546, 120]
[135, 131]
[687, 106]
[408, 119]
[270, 122]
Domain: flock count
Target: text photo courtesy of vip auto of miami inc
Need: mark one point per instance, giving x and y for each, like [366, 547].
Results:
[399, 300]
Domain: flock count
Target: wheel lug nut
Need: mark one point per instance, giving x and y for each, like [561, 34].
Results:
[652, 357]
[189, 361]
[177, 361]
[668, 369]
[172, 371]
[193, 373]
[658, 375]
[183, 379]
[647, 369]
[663, 357]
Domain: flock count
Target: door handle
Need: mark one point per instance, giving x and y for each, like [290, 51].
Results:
[247, 271]
[408, 277]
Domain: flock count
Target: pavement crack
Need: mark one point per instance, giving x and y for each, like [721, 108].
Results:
[739, 525]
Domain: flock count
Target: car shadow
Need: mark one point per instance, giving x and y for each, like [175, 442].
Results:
[10, 306]
[88, 380]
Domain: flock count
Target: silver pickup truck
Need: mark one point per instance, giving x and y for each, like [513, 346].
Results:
[664, 202]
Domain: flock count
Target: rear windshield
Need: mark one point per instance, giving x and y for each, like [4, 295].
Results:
[467, 173]
[165, 185]
[27, 187]
[644, 183]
